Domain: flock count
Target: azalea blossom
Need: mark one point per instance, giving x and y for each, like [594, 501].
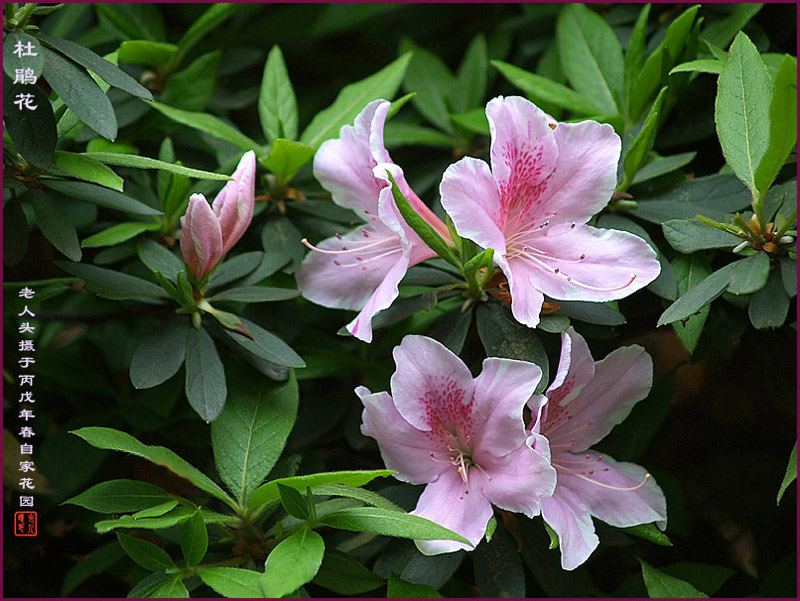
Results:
[362, 269]
[546, 181]
[581, 406]
[209, 232]
[462, 436]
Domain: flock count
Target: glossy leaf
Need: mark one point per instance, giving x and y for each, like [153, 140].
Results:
[660, 585]
[400, 589]
[286, 158]
[650, 533]
[88, 169]
[642, 144]
[277, 104]
[194, 539]
[148, 555]
[345, 576]
[389, 523]
[117, 234]
[146, 52]
[471, 78]
[205, 376]
[119, 496]
[293, 563]
[661, 166]
[190, 89]
[233, 582]
[791, 474]
[137, 162]
[431, 81]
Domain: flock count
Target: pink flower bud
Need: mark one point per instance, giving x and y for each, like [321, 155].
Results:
[201, 237]
[234, 204]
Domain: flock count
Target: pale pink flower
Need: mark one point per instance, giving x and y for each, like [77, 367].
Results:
[362, 269]
[546, 180]
[208, 233]
[581, 406]
[462, 436]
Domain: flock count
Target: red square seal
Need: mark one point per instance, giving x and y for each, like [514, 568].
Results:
[25, 523]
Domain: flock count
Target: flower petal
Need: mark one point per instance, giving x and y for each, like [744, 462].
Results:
[517, 481]
[586, 174]
[501, 391]
[566, 513]
[201, 237]
[600, 490]
[235, 202]
[471, 198]
[342, 281]
[446, 503]
[621, 380]
[523, 154]
[403, 448]
[526, 299]
[587, 263]
[344, 165]
[575, 370]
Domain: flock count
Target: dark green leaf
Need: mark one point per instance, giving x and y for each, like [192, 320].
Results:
[352, 492]
[104, 69]
[209, 20]
[661, 585]
[661, 166]
[134, 21]
[389, 523]
[146, 52]
[346, 576]
[769, 306]
[266, 345]
[721, 32]
[432, 82]
[137, 162]
[194, 539]
[635, 53]
[233, 582]
[293, 563]
[707, 578]
[471, 78]
[277, 104]
[599, 313]
[294, 503]
[255, 294]
[56, 225]
[148, 555]
[498, 567]
[117, 234]
[160, 354]
[643, 143]
[698, 296]
[88, 169]
[750, 274]
[690, 270]
[119, 496]
[28, 57]
[158, 258]
[400, 589]
[250, 433]
[791, 473]
[113, 284]
[15, 232]
[32, 130]
[80, 93]
[171, 587]
[789, 276]
[100, 196]
[191, 88]
[235, 268]
[97, 562]
[352, 99]
[280, 238]
[650, 533]
[689, 236]
[398, 134]
[451, 330]
[205, 376]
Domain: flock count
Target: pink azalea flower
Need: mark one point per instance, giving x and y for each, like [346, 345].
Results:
[208, 233]
[362, 269]
[581, 406]
[546, 180]
[462, 436]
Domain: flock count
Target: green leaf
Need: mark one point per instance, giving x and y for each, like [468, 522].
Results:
[474, 121]
[97, 562]
[168, 587]
[599, 313]
[191, 88]
[112, 284]
[502, 338]
[643, 143]
[208, 21]
[662, 165]
[346, 576]
[268, 493]
[158, 258]
[635, 53]
[432, 82]
[15, 232]
[591, 56]
[277, 104]
[400, 589]
[133, 20]
[690, 270]
[148, 555]
[782, 124]
[88, 169]
[707, 578]
[650, 533]
[741, 110]
[280, 238]
[233, 582]
[791, 474]
[286, 158]
[721, 32]
[294, 503]
[255, 294]
[235, 268]
[789, 276]
[266, 345]
[55, 224]
[176, 516]
[194, 539]
[137, 162]
[104, 69]
[398, 134]
[251, 432]
[661, 585]
[28, 59]
[156, 511]
[293, 563]
[117, 234]
[108, 438]
[211, 125]
[769, 306]
[750, 274]
[698, 296]
[146, 52]
[472, 75]
[119, 496]
[33, 131]
[498, 567]
[689, 236]
[80, 93]
[205, 376]
[100, 196]
[160, 354]
[352, 99]
[541, 90]
[702, 65]
[352, 492]
[389, 523]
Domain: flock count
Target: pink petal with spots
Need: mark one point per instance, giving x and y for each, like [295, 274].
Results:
[621, 380]
[447, 503]
[526, 298]
[566, 513]
[586, 263]
[501, 391]
[517, 481]
[201, 237]
[524, 153]
[403, 448]
[432, 388]
[234, 204]
[344, 165]
[612, 491]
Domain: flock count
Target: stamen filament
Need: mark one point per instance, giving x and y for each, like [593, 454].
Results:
[601, 484]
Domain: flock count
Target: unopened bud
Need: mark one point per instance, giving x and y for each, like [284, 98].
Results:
[741, 246]
[786, 240]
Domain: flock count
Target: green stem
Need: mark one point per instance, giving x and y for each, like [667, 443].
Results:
[758, 210]
[789, 220]
[8, 12]
[25, 14]
[721, 226]
[751, 234]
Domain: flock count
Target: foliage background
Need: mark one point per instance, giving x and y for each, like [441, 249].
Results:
[716, 433]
